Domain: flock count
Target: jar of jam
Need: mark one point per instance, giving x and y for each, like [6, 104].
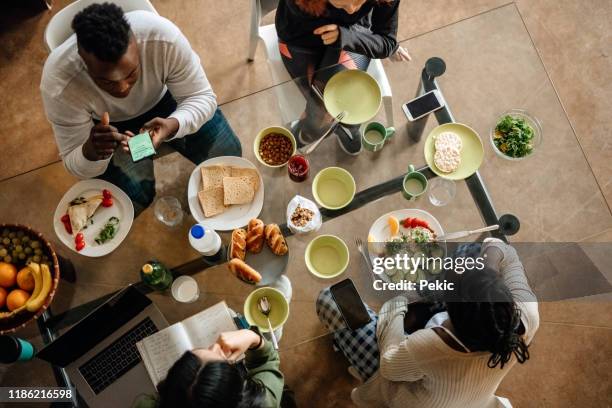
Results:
[298, 167]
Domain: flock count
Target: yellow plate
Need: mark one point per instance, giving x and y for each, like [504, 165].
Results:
[472, 152]
[354, 91]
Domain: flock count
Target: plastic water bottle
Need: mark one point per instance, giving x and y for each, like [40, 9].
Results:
[206, 241]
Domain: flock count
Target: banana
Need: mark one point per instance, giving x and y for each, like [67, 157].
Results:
[39, 296]
[35, 271]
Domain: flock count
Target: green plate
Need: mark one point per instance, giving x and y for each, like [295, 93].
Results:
[472, 152]
[355, 92]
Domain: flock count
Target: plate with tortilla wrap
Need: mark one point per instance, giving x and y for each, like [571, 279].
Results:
[225, 192]
[82, 205]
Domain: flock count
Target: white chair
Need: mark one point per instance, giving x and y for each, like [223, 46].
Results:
[288, 94]
[503, 402]
[60, 27]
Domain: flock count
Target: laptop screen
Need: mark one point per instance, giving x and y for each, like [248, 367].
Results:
[94, 328]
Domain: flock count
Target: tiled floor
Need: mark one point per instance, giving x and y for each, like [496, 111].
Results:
[569, 365]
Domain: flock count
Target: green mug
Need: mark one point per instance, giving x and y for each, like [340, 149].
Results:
[414, 184]
[374, 135]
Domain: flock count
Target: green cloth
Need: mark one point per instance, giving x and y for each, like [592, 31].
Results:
[264, 365]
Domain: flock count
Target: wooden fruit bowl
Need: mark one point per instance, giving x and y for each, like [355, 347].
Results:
[18, 320]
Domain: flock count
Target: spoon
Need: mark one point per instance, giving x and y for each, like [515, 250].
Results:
[264, 308]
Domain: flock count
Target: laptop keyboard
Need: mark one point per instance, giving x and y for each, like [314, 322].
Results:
[116, 359]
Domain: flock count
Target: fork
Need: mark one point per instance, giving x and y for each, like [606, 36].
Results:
[311, 147]
[362, 251]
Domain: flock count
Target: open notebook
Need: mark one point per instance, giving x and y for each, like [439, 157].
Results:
[160, 350]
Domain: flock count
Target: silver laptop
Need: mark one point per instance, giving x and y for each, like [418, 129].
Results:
[99, 352]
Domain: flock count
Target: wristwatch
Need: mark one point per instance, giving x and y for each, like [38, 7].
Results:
[256, 330]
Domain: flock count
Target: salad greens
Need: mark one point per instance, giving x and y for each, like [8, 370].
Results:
[109, 230]
[513, 137]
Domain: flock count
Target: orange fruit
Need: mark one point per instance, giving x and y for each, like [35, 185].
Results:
[8, 274]
[25, 280]
[16, 299]
[393, 225]
[2, 297]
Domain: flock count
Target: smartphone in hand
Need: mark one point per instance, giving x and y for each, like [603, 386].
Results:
[141, 146]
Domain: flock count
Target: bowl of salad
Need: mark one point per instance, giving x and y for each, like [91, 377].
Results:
[516, 135]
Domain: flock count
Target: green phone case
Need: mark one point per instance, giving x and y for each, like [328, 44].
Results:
[141, 147]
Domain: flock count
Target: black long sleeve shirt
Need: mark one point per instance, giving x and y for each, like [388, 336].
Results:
[371, 31]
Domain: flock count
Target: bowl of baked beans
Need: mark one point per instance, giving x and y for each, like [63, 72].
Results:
[274, 146]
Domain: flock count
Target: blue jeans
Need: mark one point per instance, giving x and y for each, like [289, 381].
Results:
[137, 180]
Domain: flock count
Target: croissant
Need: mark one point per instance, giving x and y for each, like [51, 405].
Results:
[238, 244]
[275, 239]
[243, 271]
[255, 236]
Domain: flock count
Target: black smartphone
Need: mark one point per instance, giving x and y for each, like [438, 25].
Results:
[423, 105]
[350, 304]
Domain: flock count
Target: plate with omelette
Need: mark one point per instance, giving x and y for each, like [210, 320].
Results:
[225, 193]
[454, 151]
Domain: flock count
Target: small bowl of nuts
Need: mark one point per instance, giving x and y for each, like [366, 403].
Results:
[303, 215]
[274, 146]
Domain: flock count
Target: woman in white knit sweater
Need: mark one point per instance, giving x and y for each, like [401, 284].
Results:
[461, 356]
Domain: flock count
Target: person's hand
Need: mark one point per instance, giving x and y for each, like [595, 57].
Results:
[103, 140]
[124, 143]
[401, 55]
[160, 129]
[329, 33]
[235, 343]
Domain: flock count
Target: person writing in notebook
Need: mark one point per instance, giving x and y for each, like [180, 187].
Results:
[122, 74]
[210, 378]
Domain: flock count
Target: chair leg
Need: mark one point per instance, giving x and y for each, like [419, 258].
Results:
[254, 33]
[388, 102]
[253, 41]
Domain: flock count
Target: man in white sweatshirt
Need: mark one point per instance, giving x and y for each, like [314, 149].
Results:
[121, 74]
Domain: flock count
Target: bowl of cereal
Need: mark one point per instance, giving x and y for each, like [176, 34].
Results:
[274, 146]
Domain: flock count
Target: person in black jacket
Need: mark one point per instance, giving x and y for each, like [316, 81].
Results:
[318, 38]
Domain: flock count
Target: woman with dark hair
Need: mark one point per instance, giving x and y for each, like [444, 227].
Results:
[340, 34]
[461, 355]
[209, 378]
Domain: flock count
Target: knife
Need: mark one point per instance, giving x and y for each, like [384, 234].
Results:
[461, 234]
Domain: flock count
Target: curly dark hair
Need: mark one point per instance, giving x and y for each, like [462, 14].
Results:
[103, 31]
[485, 317]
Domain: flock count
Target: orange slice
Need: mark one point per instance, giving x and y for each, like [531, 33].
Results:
[393, 225]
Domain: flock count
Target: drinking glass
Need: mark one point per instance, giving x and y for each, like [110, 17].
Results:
[441, 191]
[168, 210]
[185, 289]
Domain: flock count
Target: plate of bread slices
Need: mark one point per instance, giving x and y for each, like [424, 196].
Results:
[93, 217]
[259, 254]
[225, 192]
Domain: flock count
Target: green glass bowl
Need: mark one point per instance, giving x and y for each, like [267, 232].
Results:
[327, 256]
[267, 131]
[333, 188]
[279, 309]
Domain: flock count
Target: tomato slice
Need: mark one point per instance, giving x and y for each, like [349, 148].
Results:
[107, 202]
[80, 245]
[106, 193]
